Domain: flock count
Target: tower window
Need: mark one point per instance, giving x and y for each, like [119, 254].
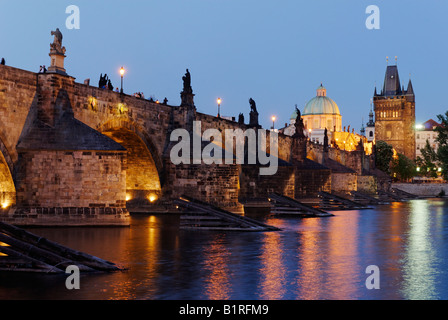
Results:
[389, 131]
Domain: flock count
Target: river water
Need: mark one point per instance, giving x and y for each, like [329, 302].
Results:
[315, 258]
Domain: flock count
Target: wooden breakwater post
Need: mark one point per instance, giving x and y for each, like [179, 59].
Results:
[365, 198]
[331, 201]
[200, 215]
[21, 250]
[283, 205]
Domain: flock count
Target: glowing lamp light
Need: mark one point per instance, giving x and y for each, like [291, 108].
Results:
[122, 74]
[128, 197]
[5, 204]
[418, 126]
[152, 198]
[219, 107]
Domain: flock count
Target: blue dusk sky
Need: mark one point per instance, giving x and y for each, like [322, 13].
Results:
[277, 52]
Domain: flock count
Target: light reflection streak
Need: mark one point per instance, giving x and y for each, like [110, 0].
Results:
[328, 261]
[127, 287]
[343, 266]
[216, 263]
[310, 270]
[273, 274]
[419, 255]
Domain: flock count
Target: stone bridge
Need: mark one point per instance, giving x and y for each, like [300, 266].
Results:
[76, 154]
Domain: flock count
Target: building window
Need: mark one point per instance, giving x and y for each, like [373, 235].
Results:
[389, 131]
[371, 134]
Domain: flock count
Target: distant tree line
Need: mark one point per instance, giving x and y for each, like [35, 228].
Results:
[402, 168]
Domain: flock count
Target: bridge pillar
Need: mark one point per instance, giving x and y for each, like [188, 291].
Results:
[67, 174]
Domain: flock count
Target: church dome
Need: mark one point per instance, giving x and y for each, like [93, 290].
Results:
[321, 104]
[294, 115]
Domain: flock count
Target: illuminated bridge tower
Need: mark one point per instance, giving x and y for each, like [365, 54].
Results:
[394, 109]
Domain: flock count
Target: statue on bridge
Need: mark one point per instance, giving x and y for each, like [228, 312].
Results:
[187, 96]
[326, 140]
[57, 42]
[253, 122]
[253, 106]
[299, 125]
[241, 118]
[187, 82]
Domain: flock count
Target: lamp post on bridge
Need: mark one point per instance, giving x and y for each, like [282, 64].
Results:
[219, 105]
[122, 74]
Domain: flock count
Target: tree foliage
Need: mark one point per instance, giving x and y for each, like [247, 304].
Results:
[403, 168]
[442, 140]
[383, 156]
[428, 161]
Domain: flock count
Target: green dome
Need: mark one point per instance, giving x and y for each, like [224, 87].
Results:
[294, 115]
[321, 104]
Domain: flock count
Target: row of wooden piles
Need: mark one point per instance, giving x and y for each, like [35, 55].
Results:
[196, 214]
[23, 251]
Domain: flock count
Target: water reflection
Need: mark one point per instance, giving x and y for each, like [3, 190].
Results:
[419, 257]
[310, 266]
[343, 268]
[322, 258]
[272, 273]
[217, 281]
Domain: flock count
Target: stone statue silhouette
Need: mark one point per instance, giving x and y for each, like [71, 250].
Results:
[299, 125]
[253, 106]
[325, 139]
[187, 82]
[299, 115]
[253, 114]
[57, 42]
[241, 118]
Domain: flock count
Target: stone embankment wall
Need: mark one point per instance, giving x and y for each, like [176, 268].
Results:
[422, 189]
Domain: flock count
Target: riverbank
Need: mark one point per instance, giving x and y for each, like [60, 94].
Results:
[423, 189]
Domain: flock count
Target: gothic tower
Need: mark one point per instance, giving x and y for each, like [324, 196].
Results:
[370, 129]
[394, 111]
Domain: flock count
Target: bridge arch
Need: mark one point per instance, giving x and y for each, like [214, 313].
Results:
[144, 169]
[7, 186]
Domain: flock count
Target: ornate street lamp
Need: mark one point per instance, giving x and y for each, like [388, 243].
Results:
[273, 122]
